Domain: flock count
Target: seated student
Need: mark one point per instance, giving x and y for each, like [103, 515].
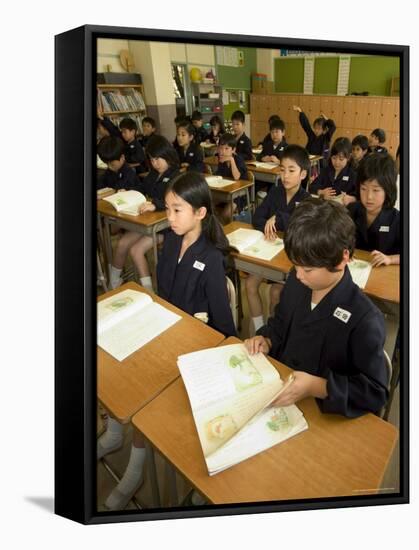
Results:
[118, 175]
[243, 143]
[359, 150]
[338, 177]
[272, 149]
[267, 138]
[134, 153]
[191, 276]
[273, 215]
[377, 221]
[165, 166]
[376, 140]
[320, 136]
[217, 130]
[325, 327]
[148, 126]
[190, 271]
[397, 203]
[180, 119]
[189, 152]
[197, 122]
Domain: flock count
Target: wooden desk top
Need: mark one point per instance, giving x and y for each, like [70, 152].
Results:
[125, 386]
[336, 456]
[383, 282]
[236, 185]
[147, 219]
[257, 169]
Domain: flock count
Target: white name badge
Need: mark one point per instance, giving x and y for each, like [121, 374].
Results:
[342, 314]
[345, 178]
[199, 265]
[241, 141]
[384, 229]
[191, 154]
[165, 180]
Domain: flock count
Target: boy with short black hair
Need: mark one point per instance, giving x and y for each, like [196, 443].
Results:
[359, 150]
[319, 136]
[243, 143]
[230, 164]
[119, 175]
[376, 140]
[134, 153]
[325, 327]
[272, 149]
[200, 133]
[148, 125]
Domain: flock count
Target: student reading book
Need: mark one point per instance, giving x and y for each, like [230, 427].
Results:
[229, 392]
[252, 242]
[126, 202]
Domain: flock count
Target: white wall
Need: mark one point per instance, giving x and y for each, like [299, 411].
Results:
[108, 54]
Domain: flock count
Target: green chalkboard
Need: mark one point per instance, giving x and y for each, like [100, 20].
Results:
[326, 71]
[238, 78]
[373, 74]
[289, 75]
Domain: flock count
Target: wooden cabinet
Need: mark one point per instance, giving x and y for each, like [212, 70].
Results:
[118, 101]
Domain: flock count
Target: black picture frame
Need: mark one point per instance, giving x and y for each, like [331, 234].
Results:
[75, 221]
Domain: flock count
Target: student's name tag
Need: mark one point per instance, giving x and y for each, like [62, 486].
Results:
[345, 178]
[241, 141]
[165, 180]
[342, 314]
[384, 229]
[199, 265]
[191, 154]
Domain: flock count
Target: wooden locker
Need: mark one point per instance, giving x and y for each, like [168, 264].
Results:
[348, 117]
[304, 103]
[314, 108]
[373, 114]
[395, 127]
[388, 108]
[259, 131]
[292, 133]
[281, 106]
[336, 110]
[361, 110]
[326, 105]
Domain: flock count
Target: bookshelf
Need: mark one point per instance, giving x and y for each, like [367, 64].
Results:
[208, 99]
[118, 101]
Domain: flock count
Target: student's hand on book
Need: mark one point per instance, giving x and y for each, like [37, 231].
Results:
[327, 193]
[347, 199]
[303, 385]
[270, 229]
[146, 207]
[257, 344]
[378, 258]
[296, 108]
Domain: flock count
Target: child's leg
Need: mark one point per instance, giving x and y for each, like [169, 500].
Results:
[120, 256]
[132, 478]
[111, 440]
[252, 283]
[138, 254]
[274, 296]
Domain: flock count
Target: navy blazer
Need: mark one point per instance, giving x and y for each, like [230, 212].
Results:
[378, 149]
[244, 147]
[197, 283]
[154, 185]
[341, 340]
[201, 134]
[344, 183]
[134, 153]
[317, 145]
[275, 202]
[125, 178]
[270, 148]
[224, 170]
[384, 232]
[193, 156]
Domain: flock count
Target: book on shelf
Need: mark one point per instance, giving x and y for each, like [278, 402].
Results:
[126, 202]
[217, 181]
[360, 271]
[231, 393]
[128, 320]
[266, 165]
[252, 242]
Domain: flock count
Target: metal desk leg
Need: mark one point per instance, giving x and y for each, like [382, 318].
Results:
[108, 242]
[155, 495]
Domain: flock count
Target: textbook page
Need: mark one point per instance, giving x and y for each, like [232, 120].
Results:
[127, 202]
[360, 271]
[266, 165]
[132, 325]
[226, 388]
[252, 242]
[217, 181]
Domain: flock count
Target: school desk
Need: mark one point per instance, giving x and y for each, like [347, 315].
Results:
[238, 188]
[149, 223]
[335, 457]
[383, 282]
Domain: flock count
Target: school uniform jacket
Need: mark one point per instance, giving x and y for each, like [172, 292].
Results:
[244, 147]
[224, 169]
[125, 178]
[193, 156]
[201, 134]
[384, 232]
[378, 149]
[134, 154]
[317, 145]
[344, 183]
[340, 340]
[154, 185]
[275, 202]
[197, 283]
[269, 148]
[212, 138]
[111, 127]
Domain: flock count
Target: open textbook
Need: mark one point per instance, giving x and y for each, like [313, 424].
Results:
[217, 181]
[230, 393]
[126, 202]
[128, 320]
[266, 165]
[360, 271]
[252, 242]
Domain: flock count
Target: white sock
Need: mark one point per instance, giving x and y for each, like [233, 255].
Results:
[134, 471]
[258, 322]
[111, 439]
[146, 283]
[115, 277]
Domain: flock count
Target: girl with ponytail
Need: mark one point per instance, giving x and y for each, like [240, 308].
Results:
[190, 271]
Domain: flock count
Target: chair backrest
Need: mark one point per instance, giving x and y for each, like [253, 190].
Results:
[232, 299]
[250, 176]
